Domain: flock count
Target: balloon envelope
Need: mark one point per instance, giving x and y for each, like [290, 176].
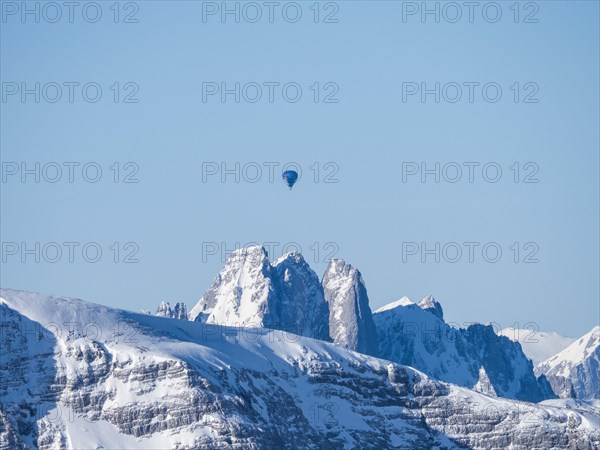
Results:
[290, 177]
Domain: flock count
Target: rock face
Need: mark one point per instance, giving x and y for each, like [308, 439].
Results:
[575, 371]
[139, 381]
[416, 335]
[179, 311]
[350, 320]
[301, 306]
[484, 385]
[251, 292]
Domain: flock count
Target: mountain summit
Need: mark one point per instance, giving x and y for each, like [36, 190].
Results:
[350, 321]
[179, 311]
[251, 292]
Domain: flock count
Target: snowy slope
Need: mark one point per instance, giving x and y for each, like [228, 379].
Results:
[78, 375]
[575, 371]
[538, 345]
[417, 335]
[404, 301]
[350, 320]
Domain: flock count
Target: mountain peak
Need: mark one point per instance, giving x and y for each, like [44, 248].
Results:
[404, 301]
[340, 266]
[250, 291]
[350, 320]
[163, 305]
[253, 251]
[241, 293]
[179, 311]
[428, 303]
[291, 257]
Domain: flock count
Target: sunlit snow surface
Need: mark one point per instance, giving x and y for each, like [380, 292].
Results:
[575, 371]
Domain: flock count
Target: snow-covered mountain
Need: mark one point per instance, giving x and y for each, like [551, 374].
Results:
[251, 292]
[286, 295]
[474, 357]
[179, 311]
[538, 345]
[242, 294]
[350, 320]
[77, 375]
[575, 371]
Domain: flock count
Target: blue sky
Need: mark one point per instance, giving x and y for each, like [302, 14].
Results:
[366, 136]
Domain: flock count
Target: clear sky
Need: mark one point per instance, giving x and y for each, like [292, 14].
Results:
[370, 214]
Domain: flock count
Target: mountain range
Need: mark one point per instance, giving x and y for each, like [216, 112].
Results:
[417, 335]
[287, 294]
[272, 357]
[78, 375]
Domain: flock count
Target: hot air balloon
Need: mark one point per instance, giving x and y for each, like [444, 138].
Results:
[290, 177]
